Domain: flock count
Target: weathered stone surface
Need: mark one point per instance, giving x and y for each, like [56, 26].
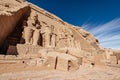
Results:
[32, 62]
[27, 49]
[108, 53]
[113, 59]
[10, 57]
[62, 64]
[75, 52]
[51, 63]
[35, 62]
[118, 61]
[80, 61]
[46, 40]
[2, 56]
[99, 59]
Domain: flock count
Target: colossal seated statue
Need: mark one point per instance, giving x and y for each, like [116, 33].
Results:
[32, 31]
[36, 35]
[28, 32]
[45, 31]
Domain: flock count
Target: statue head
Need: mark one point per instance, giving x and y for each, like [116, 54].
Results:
[35, 17]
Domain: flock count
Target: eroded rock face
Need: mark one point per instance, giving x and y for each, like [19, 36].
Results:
[12, 14]
[46, 40]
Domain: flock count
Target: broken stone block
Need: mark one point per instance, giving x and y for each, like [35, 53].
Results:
[73, 65]
[24, 49]
[99, 59]
[113, 59]
[51, 63]
[62, 64]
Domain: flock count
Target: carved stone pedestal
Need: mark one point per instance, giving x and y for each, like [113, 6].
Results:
[28, 50]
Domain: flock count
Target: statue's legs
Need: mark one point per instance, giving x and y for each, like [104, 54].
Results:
[47, 40]
[28, 34]
[36, 36]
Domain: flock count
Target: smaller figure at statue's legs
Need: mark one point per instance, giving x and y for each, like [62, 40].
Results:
[28, 32]
[36, 36]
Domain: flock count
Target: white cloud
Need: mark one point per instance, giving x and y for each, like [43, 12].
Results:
[108, 33]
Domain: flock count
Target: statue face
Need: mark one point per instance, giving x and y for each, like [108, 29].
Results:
[35, 18]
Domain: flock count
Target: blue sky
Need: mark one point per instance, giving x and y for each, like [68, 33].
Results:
[100, 17]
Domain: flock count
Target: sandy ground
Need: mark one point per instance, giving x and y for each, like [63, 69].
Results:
[21, 72]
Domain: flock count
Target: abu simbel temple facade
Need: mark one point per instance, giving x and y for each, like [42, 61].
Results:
[35, 37]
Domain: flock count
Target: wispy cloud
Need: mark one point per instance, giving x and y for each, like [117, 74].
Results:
[108, 33]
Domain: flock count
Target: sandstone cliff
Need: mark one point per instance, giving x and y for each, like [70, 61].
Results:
[30, 32]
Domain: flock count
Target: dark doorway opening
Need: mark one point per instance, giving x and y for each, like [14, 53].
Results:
[15, 36]
[12, 39]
